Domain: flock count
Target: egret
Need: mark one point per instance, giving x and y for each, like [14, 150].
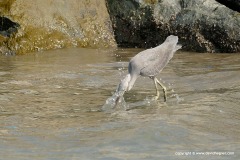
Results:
[149, 63]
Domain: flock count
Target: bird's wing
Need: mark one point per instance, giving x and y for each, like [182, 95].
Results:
[151, 61]
[140, 61]
[156, 62]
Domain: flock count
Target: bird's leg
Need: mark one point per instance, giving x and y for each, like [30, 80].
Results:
[163, 87]
[157, 91]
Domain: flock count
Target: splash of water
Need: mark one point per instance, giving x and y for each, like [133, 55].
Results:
[115, 102]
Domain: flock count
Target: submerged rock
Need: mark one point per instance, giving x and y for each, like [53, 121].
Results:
[202, 25]
[45, 24]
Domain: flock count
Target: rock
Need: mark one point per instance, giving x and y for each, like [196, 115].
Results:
[232, 4]
[7, 28]
[202, 25]
[133, 25]
[207, 26]
[54, 24]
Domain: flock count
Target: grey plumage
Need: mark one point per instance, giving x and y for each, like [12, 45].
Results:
[149, 63]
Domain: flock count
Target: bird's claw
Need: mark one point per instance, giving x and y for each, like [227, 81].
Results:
[165, 98]
[155, 98]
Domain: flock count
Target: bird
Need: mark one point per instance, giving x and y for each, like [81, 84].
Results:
[149, 63]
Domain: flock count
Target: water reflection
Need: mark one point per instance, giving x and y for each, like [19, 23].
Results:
[50, 107]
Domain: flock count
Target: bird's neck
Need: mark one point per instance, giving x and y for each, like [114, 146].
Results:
[132, 81]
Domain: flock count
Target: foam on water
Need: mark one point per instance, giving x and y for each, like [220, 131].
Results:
[115, 102]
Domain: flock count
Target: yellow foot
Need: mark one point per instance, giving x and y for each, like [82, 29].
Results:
[155, 98]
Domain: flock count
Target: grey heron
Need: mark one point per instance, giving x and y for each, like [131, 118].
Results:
[149, 63]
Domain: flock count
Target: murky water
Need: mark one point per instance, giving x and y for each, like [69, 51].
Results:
[50, 107]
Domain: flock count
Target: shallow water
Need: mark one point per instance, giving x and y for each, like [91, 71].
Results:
[50, 107]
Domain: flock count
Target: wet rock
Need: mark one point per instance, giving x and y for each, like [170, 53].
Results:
[56, 24]
[133, 25]
[7, 28]
[202, 25]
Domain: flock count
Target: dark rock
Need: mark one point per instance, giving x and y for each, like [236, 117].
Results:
[202, 25]
[133, 25]
[7, 27]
